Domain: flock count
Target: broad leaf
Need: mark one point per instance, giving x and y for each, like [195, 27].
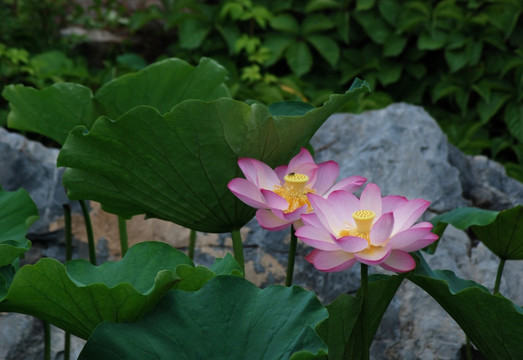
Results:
[163, 85]
[79, 296]
[53, 111]
[299, 57]
[177, 166]
[461, 218]
[229, 318]
[17, 213]
[504, 236]
[7, 274]
[342, 330]
[193, 278]
[327, 48]
[493, 323]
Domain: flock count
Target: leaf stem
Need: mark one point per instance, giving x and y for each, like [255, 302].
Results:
[237, 246]
[468, 349]
[47, 341]
[192, 243]
[89, 230]
[68, 256]
[122, 228]
[498, 275]
[292, 257]
[365, 310]
[68, 232]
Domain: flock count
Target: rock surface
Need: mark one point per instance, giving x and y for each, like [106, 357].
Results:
[401, 148]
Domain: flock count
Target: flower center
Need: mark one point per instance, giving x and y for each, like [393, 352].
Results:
[363, 220]
[295, 191]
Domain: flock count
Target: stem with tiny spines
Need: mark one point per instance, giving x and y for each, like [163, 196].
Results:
[192, 243]
[365, 310]
[89, 230]
[291, 257]
[237, 246]
[124, 242]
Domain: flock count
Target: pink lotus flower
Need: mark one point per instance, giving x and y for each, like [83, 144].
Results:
[280, 195]
[372, 230]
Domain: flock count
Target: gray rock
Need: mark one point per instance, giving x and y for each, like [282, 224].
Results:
[30, 165]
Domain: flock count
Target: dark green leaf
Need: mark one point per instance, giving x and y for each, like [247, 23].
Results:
[17, 213]
[514, 119]
[315, 23]
[286, 23]
[375, 27]
[228, 318]
[177, 167]
[460, 218]
[487, 109]
[79, 296]
[318, 5]
[342, 330]
[277, 44]
[192, 32]
[364, 4]
[433, 40]
[290, 108]
[389, 72]
[504, 236]
[493, 323]
[299, 58]
[394, 45]
[163, 85]
[327, 48]
[53, 111]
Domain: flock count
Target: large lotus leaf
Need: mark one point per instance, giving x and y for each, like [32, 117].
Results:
[163, 85]
[17, 213]
[342, 330]
[228, 318]
[504, 236]
[461, 218]
[53, 111]
[492, 322]
[7, 274]
[193, 278]
[177, 166]
[78, 296]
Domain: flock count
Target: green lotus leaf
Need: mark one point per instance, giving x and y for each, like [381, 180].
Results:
[79, 296]
[492, 322]
[17, 213]
[52, 111]
[504, 236]
[228, 318]
[342, 331]
[55, 110]
[193, 278]
[461, 218]
[177, 166]
[163, 85]
[7, 274]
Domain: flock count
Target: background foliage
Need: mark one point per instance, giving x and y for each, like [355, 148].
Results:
[461, 60]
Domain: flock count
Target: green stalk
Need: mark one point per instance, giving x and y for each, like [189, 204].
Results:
[89, 230]
[468, 348]
[498, 275]
[365, 310]
[237, 246]
[122, 227]
[192, 243]
[292, 257]
[68, 256]
[47, 341]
